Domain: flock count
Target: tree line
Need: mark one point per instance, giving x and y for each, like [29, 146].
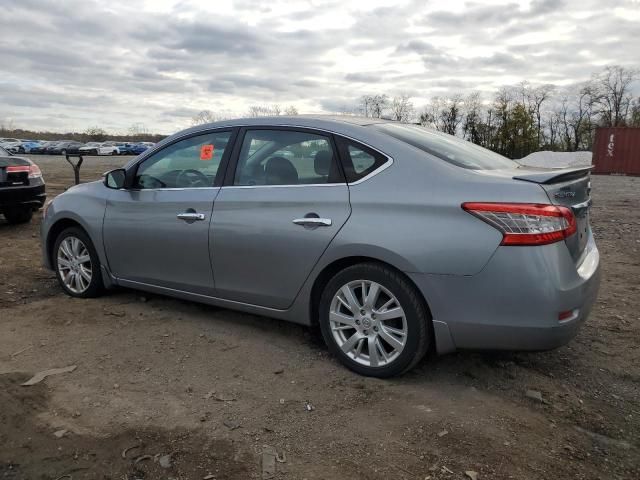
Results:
[524, 118]
[135, 133]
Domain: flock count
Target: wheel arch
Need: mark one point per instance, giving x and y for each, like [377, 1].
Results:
[55, 230]
[330, 270]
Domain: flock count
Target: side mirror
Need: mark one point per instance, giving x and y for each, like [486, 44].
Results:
[115, 178]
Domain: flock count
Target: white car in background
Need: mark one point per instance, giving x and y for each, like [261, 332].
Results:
[98, 148]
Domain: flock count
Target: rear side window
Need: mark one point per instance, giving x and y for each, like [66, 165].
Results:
[447, 147]
[286, 157]
[358, 160]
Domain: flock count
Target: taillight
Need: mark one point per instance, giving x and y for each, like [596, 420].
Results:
[526, 223]
[34, 171]
[18, 169]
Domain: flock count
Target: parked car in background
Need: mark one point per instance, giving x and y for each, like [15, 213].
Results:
[52, 146]
[396, 239]
[90, 148]
[22, 188]
[124, 148]
[9, 142]
[42, 146]
[108, 148]
[64, 148]
[25, 146]
[132, 148]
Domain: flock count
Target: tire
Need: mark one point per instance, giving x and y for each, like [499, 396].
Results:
[18, 215]
[394, 290]
[113, 152]
[77, 285]
[63, 152]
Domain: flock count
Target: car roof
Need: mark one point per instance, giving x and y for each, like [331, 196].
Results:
[301, 119]
[336, 123]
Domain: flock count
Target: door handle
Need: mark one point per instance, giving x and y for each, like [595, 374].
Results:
[313, 222]
[191, 216]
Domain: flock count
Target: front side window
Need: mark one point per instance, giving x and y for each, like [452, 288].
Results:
[189, 163]
[284, 157]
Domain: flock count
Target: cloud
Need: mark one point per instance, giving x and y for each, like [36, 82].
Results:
[78, 62]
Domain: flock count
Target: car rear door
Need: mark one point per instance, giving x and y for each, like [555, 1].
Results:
[157, 231]
[283, 201]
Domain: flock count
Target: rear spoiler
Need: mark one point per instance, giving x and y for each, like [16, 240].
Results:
[554, 176]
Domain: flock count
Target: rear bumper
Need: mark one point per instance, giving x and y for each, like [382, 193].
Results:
[514, 302]
[32, 196]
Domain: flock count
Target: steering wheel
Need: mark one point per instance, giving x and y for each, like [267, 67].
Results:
[192, 178]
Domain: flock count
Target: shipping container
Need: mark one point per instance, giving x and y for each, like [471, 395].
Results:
[617, 150]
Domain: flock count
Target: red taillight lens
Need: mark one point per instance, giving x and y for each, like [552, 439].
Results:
[526, 223]
[33, 170]
[18, 168]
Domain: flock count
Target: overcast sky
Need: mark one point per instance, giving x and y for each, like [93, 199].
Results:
[69, 64]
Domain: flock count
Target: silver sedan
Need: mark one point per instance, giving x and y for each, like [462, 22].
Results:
[394, 238]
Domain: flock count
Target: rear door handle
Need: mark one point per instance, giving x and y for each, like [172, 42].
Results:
[191, 216]
[313, 222]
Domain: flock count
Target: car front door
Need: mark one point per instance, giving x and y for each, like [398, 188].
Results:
[280, 208]
[157, 231]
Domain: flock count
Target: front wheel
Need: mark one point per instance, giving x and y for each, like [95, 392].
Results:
[374, 320]
[77, 264]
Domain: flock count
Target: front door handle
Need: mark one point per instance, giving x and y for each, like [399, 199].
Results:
[191, 216]
[313, 222]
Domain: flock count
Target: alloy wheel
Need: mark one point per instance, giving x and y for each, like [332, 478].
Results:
[368, 323]
[74, 264]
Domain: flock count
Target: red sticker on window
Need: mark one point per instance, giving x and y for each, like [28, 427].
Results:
[206, 152]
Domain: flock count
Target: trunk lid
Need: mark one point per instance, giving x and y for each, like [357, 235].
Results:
[570, 187]
[14, 179]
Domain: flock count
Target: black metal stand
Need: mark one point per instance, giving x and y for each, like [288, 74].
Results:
[76, 166]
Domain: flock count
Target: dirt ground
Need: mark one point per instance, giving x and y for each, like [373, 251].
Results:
[166, 389]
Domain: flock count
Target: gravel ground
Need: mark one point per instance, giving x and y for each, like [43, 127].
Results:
[170, 389]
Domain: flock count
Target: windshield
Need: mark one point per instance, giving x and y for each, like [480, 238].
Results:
[447, 147]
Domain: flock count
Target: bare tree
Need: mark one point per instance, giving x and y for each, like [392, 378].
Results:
[204, 116]
[264, 110]
[430, 113]
[291, 110]
[96, 134]
[613, 86]
[402, 108]
[472, 123]
[537, 96]
[634, 115]
[374, 105]
[450, 116]
[138, 129]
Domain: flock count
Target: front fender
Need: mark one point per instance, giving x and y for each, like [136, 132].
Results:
[83, 205]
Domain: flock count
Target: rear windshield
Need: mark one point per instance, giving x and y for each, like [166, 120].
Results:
[447, 147]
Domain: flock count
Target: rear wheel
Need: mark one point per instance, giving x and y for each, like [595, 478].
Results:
[63, 152]
[374, 320]
[18, 215]
[77, 265]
